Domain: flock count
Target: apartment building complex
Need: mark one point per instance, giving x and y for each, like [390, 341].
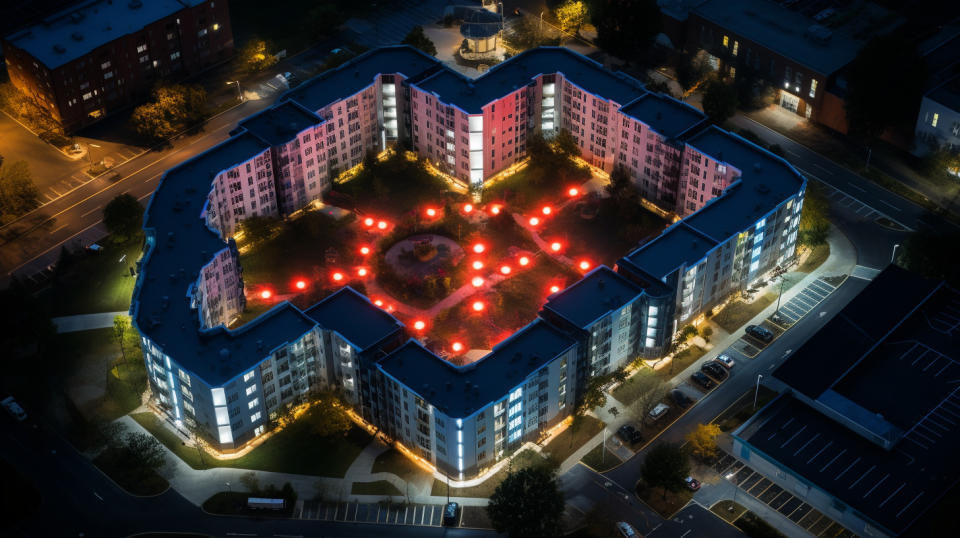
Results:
[100, 56]
[742, 205]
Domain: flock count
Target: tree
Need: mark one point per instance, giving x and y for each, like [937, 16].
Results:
[931, 254]
[142, 452]
[691, 68]
[719, 101]
[666, 466]
[571, 14]
[255, 57]
[18, 194]
[566, 145]
[173, 107]
[593, 396]
[123, 217]
[327, 416]
[251, 482]
[528, 503]
[941, 163]
[651, 390]
[258, 228]
[814, 217]
[703, 441]
[884, 85]
[418, 39]
[626, 28]
[120, 326]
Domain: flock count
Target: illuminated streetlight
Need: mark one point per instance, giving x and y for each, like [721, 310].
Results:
[495, 210]
[467, 208]
[431, 212]
[378, 302]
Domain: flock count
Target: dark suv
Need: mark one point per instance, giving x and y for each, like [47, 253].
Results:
[714, 370]
[679, 398]
[760, 333]
[700, 379]
[629, 434]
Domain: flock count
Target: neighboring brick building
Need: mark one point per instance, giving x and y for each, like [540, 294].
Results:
[103, 55]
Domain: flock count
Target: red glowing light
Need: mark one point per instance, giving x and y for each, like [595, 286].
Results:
[478, 306]
[534, 221]
[378, 302]
[479, 247]
[554, 288]
[266, 294]
[301, 284]
[364, 250]
[419, 325]
[368, 221]
[495, 210]
[505, 269]
[457, 347]
[584, 265]
[477, 282]
[556, 246]
[431, 212]
[573, 191]
[337, 277]
[524, 261]
[467, 208]
[362, 271]
[547, 210]
[382, 225]
[478, 265]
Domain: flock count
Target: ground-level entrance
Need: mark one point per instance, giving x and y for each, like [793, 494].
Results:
[789, 101]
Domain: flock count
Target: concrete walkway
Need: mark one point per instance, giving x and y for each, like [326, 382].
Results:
[86, 322]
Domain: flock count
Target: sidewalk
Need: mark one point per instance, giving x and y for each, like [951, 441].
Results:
[86, 322]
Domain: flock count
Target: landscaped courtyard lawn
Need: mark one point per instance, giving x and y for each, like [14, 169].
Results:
[90, 283]
[393, 461]
[295, 449]
[737, 313]
[601, 459]
[572, 438]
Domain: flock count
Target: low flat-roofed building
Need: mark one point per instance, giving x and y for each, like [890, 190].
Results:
[867, 433]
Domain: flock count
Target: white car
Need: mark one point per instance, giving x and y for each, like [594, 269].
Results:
[725, 360]
[626, 530]
[12, 407]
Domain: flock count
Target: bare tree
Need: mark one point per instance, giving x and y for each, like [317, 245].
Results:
[651, 390]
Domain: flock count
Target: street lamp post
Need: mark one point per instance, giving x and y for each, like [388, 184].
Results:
[735, 488]
[239, 92]
[757, 391]
[540, 29]
[228, 487]
[893, 255]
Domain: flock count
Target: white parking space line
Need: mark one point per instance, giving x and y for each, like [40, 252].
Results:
[852, 186]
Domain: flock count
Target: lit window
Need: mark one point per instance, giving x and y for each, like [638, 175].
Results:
[736, 47]
[253, 403]
[726, 41]
[105, 65]
[813, 88]
[202, 32]
[936, 118]
[141, 48]
[248, 376]
[255, 417]
[251, 389]
[87, 96]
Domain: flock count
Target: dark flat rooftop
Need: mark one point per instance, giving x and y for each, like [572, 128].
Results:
[891, 487]
[459, 391]
[664, 114]
[280, 123]
[472, 95]
[679, 244]
[354, 317]
[359, 73]
[596, 294]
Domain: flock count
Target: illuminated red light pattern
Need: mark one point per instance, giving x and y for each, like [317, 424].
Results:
[547, 210]
[584, 265]
[478, 306]
[364, 250]
[457, 347]
[467, 208]
[301, 284]
[479, 247]
[573, 191]
[368, 221]
[431, 212]
[478, 265]
[419, 325]
[534, 221]
[555, 246]
[505, 269]
[382, 225]
[477, 282]
[266, 294]
[362, 271]
[524, 261]
[554, 288]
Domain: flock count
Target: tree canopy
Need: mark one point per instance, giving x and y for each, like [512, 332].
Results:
[418, 39]
[666, 466]
[931, 254]
[255, 56]
[884, 85]
[327, 417]
[18, 194]
[572, 14]
[123, 217]
[173, 108]
[719, 101]
[625, 28]
[528, 503]
[703, 441]
[814, 218]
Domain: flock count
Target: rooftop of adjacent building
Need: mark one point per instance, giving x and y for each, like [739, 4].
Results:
[459, 391]
[478, 23]
[664, 114]
[598, 293]
[825, 46]
[281, 123]
[80, 29]
[890, 487]
[947, 94]
[472, 95]
[677, 245]
[360, 72]
[355, 318]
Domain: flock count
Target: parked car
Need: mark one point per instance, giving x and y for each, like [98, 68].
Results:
[13, 408]
[657, 412]
[629, 434]
[760, 333]
[701, 379]
[450, 514]
[626, 530]
[713, 369]
[726, 360]
[680, 398]
[692, 483]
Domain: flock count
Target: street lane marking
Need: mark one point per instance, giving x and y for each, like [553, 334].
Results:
[888, 204]
[852, 186]
[91, 211]
[58, 229]
[824, 169]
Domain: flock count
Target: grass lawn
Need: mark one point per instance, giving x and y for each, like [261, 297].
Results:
[392, 461]
[521, 191]
[666, 503]
[723, 509]
[565, 444]
[737, 313]
[91, 283]
[283, 452]
[475, 517]
[681, 361]
[397, 188]
[632, 388]
[755, 527]
[146, 483]
[743, 409]
[816, 258]
[593, 459]
[96, 352]
[527, 458]
[380, 487]
[235, 503]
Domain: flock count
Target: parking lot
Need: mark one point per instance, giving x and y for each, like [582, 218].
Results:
[430, 515]
[764, 490]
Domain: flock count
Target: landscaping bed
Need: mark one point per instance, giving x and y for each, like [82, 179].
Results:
[526, 458]
[741, 410]
[738, 313]
[133, 481]
[571, 439]
[234, 503]
[601, 459]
